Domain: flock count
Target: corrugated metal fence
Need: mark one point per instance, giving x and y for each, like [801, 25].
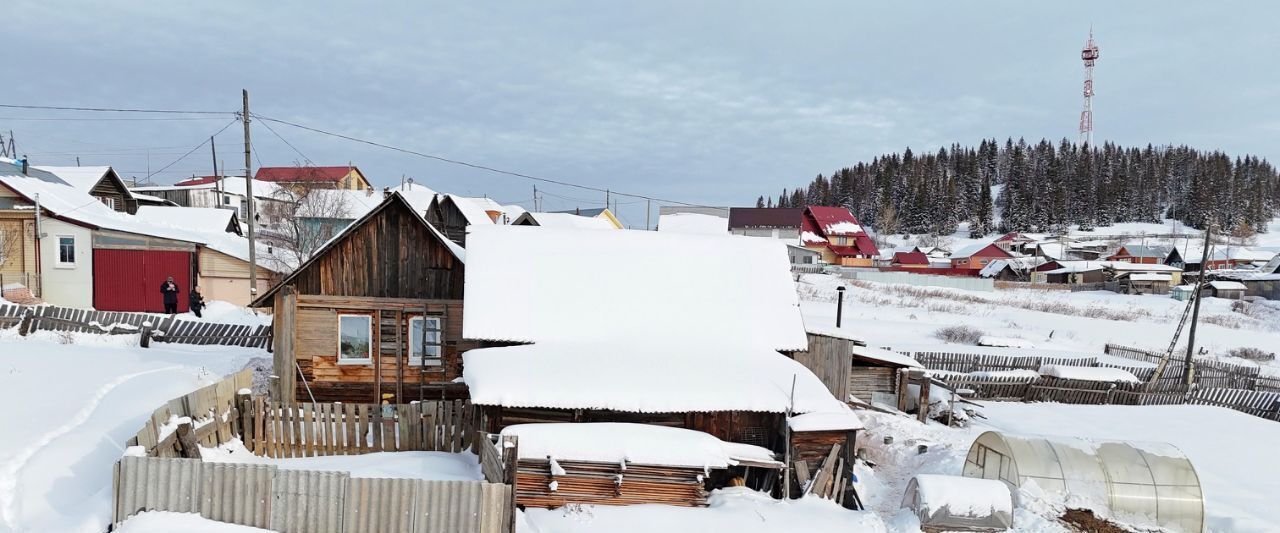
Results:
[308, 501]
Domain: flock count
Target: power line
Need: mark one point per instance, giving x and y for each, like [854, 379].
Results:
[282, 139]
[106, 119]
[116, 110]
[471, 165]
[197, 147]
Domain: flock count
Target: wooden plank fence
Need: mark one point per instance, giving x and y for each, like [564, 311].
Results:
[150, 327]
[975, 362]
[1218, 383]
[214, 419]
[321, 429]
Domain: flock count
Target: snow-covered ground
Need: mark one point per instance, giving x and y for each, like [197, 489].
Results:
[71, 402]
[900, 315]
[441, 466]
[733, 509]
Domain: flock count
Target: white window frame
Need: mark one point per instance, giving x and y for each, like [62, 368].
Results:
[58, 262]
[343, 360]
[416, 359]
[110, 202]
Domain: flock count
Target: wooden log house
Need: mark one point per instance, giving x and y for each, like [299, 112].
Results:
[375, 315]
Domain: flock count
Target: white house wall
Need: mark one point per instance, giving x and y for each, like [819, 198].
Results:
[69, 286]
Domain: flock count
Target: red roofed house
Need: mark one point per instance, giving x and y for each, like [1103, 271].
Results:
[347, 177]
[836, 233]
[976, 256]
[912, 259]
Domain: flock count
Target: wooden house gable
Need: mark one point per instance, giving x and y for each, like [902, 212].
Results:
[389, 253]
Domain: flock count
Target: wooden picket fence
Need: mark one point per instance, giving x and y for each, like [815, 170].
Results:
[321, 429]
[150, 327]
[975, 362]
[214, 411]
[1217, 383]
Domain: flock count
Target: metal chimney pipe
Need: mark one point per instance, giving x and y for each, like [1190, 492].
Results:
[839, 305]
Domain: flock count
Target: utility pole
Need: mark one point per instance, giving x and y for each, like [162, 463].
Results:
[217, 183]
[648, 207]
[535, 198]
[248, 193]
[1187, 375]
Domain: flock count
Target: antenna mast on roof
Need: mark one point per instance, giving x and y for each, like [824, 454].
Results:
[7, 148]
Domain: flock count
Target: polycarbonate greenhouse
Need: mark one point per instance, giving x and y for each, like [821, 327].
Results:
[1134, 480]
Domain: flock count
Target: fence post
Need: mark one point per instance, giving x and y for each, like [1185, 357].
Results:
[144, 339]
[28, 320]
[244, 403]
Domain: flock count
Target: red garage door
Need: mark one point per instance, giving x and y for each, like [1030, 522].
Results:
[129, 280]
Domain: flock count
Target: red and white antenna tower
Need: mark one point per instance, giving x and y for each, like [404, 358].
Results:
[1089, 55]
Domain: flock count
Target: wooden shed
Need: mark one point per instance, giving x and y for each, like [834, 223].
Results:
[375, 315]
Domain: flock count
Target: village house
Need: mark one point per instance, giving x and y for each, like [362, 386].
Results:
[690, 349]
[977, 255]
[801, 257]
[1140, 254]
[375, 315]
[1233, 290]
[561, 219]
[836, 233]
[911, 259]
[453, 214]
[100, 182]
[1017, 242]
[333, 177]
[594, 212]
[89, 255]
[225, 192]
[322, 213]
[775, 222]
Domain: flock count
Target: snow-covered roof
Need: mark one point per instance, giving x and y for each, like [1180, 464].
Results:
[971, 249]
[568, 221]
[650, 375]
[1052, 250]
[694, 223]
[944, 502]
[842, 228]
[1145, 276]
[833, 421]
[809, 237]
[229, 184]
[1227, 285]
[583, 285]
[1070, 267]
[1088, 373]
[70, 203]
[344, 204]
[82, 178]
[1124, 266]
[202, 219]
[1146, 250]
[475, 210]
[609, 442]
[893, 358]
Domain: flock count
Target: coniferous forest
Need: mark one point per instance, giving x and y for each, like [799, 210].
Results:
[1047, 187]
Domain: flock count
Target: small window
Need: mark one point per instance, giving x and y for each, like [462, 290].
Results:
[425, 337]
[66, 251]
[109, 201]
[226, 200]
[355, 338]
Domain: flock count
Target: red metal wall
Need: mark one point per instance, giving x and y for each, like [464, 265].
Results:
[129, 280]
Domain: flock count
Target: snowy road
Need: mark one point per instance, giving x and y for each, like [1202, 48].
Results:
[70, 408]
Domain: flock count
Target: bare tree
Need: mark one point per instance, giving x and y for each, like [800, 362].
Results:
[305, 215]
[887, 224]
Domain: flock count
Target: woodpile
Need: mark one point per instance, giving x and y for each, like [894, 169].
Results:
[607, 484]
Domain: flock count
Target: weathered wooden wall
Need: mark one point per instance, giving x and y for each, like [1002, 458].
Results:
[866, 380]
[829, 359]
[390, 255]
[388, 375]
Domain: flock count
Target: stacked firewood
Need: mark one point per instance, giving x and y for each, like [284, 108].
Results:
[552, 483]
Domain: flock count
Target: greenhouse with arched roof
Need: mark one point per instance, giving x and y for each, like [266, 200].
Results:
[1134, 480]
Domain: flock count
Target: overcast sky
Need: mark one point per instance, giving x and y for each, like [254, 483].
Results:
[704, 102]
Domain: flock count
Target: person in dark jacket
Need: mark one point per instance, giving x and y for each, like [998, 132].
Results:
[169, 290]
[195, 301]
